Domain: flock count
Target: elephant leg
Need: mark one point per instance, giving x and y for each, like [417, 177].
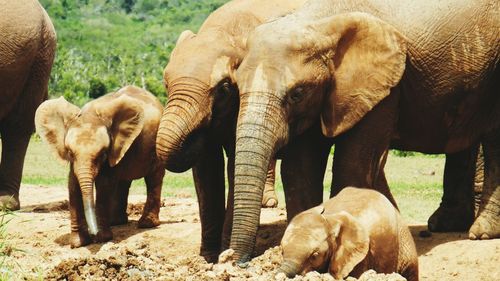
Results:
[119, 203]
[17, 125]
[79, 230]
[208, 175]
[487, 224]
[105, 189]
[302, 171]
[269, 199]
[151, 213]
[361, 152]
[11, 167]
[456, 211]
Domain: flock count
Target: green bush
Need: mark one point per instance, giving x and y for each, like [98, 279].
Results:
[106, 44]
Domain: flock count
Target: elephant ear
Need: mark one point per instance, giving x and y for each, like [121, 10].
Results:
[186, 34]
[366, 57]
[52, 120]
[127, 122]
[352, 242]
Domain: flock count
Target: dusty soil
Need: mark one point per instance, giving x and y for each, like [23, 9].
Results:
[38, 247]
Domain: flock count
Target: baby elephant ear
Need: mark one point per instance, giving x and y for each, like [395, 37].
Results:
[186, 34]
[127, 122]
[52, 120]
[366, 57]
[352, 242]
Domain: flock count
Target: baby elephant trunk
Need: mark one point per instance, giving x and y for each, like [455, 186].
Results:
[86, 181]
[290, 268]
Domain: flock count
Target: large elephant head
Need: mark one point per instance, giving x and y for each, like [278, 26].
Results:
[298, 72]
[201, 95]
[96, 136]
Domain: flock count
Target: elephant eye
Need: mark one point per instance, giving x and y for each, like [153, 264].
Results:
[225, 87]
[296, 95]
[314, 255]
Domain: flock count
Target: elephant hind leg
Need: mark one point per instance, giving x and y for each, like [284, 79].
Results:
[456, 211]
[118, 206]
[150, 214]
[487, 224]
[17, 125]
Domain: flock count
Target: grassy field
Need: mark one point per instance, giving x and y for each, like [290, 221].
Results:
[415, 181]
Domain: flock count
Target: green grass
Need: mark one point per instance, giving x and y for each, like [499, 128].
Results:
[6, 265]
[415, 181]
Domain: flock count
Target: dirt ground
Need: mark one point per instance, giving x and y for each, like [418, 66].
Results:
[39, 247]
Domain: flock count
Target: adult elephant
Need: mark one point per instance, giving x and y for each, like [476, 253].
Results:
[200, 116]
[27, 49]
[424, 75]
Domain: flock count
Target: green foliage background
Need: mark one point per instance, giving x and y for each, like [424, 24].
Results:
[106, 44]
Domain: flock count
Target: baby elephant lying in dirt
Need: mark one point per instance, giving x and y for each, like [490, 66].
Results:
[109, 143]
[357, 230]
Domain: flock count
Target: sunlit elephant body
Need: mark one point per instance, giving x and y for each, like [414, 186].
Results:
[199, 119]
[108, 143]
[423, 75]
[27, 49]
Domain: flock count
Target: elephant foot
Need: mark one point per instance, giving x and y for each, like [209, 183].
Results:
[210, 257]
[148, 221]
[450, 219]
[78, 239]
[104, 236]
[269, 198]
[10, 202]
[486, 226]
[119, 220]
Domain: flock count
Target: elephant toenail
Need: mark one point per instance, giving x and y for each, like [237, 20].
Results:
[485, 236]
[472, 236]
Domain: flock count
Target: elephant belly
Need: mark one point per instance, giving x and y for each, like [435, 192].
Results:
[451, 126]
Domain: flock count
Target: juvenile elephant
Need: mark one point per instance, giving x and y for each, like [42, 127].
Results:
[199, 119]
[27, 49]
[421, 75]
[109, 142]
[357, 230]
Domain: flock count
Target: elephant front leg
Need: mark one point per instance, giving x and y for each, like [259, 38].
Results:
[487, 224]
[361, 152]
[11, 168]
[151, 213]
[456, 211]
[79, 230]
[208, 175]
[303, 169]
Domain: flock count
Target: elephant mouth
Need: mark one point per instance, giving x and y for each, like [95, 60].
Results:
[188, 153]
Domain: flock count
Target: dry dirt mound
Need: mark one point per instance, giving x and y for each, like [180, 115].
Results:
[141, 263]
[38, 246]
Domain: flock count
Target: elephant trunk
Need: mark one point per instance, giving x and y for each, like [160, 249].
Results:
[177, 141]
[260, 131]
[86, 180]
[290, 268]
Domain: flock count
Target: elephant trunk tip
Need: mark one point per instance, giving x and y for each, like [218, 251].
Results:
[290, 269]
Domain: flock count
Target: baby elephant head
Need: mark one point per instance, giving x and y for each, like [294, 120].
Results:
[315, 241]
[91, 139]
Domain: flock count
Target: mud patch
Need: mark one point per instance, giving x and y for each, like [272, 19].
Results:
[57, 206]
